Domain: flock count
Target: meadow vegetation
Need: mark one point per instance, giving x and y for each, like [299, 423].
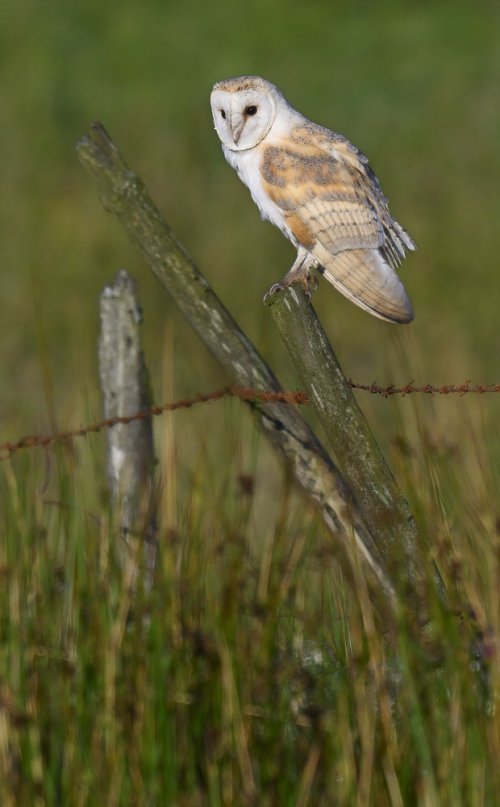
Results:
[251, 673]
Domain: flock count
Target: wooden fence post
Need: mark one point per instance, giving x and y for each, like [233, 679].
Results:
[125, 388]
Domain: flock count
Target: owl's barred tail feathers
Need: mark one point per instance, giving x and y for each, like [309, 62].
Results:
[366, 279]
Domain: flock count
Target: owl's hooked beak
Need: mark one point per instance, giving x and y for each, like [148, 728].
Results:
[236, 124]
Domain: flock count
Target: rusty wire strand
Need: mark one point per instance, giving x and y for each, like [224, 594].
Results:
[428, 389]
[244, 393]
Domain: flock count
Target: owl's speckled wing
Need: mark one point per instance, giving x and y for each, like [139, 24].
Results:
[333, 205]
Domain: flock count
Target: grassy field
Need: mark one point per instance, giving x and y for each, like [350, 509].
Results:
[251, 673]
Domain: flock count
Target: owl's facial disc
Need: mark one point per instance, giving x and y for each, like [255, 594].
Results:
[243, 118]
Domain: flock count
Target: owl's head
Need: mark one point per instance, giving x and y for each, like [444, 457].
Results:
[244, 109]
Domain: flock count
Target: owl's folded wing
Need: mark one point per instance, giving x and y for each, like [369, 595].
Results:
[366, 279]
[334, 207]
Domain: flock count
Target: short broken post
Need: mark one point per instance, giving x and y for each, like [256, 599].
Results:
[125, 388]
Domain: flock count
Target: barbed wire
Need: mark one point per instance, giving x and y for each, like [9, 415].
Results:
[428, 389]
[243, 393]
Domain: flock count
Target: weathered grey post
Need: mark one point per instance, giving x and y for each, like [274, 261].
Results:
[125, 388]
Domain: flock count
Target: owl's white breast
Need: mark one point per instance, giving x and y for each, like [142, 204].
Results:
[247, 166]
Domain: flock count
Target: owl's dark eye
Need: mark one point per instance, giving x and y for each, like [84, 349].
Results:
[223, 114]
[251, 110]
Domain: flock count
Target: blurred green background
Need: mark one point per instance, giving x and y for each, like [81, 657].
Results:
[414, 84]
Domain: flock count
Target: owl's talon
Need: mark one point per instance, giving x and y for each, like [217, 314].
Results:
[275, 289]
[306, 280]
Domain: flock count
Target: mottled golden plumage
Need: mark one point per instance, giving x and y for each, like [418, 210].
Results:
[319, 190]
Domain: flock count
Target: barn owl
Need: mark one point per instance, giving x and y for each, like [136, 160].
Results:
[319, 190]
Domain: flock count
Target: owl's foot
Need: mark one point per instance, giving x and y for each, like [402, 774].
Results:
[306, 279]
[275, 289]
[300, 273]
[302, 276]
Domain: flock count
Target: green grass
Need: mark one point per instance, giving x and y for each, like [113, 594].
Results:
[249, 674]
